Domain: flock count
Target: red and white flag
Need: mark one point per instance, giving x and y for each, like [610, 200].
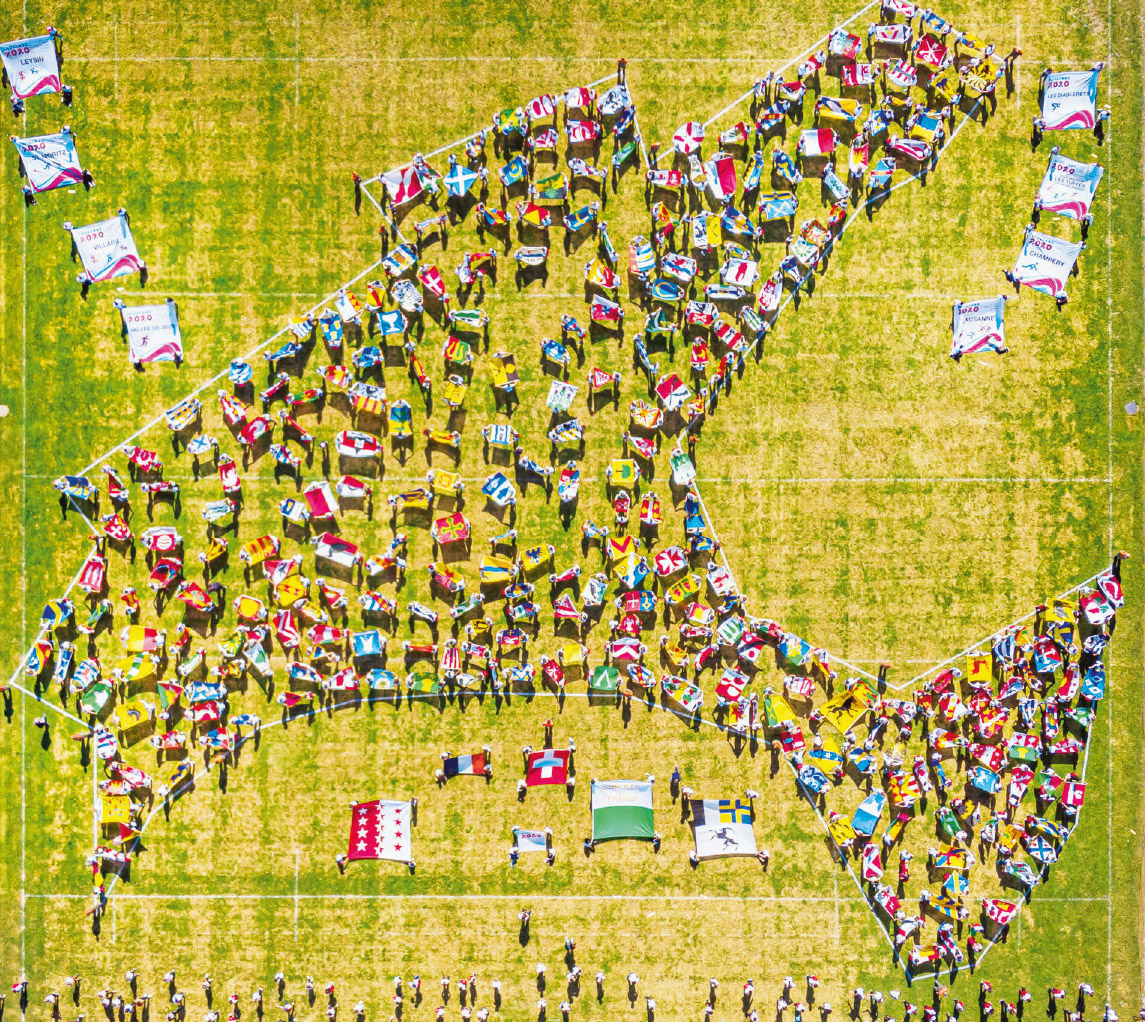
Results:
[1073, 794]
[872, 863]
[997, 911]
[93, 577]
[402, 186]
[381, 830]
[332, 548]
[550, 766]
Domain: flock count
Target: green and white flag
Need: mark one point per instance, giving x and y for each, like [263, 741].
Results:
[622, 809]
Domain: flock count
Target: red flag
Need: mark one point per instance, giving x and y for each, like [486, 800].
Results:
[381, 830]
[550, 766]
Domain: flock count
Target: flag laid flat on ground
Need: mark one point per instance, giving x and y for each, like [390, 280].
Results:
[1046, 262]
[50, 161]
[549, 766]
[721, 176]
[106, 248]
[1068, 187]
[458, 765]
[381, 830]
[998, 911]
[402, 185]
[333, 548]
[1070, 100]
[622, 809]
[33, 65]
[153, 333]
[978, 326]
[722, 827]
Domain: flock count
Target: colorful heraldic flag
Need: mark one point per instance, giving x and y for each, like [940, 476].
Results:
[107, 249]
[722, 827]
[1046, 262]
[153, 332]
[114, 808]
[456, 766]
[1068, 187]
[381, 830]
[50, 161]
[530, 840]
[1070, 100]
[549, 766]
[978, 326]
[622, 809]
[33, 66]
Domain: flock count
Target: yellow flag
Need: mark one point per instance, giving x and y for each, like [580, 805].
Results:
[114, 808]
[979, 668]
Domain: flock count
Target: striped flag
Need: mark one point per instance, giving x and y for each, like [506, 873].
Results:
[472, 765]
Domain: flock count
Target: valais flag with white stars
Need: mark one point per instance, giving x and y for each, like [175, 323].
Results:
[381, 830]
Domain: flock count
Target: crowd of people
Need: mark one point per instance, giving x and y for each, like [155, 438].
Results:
[473, 999]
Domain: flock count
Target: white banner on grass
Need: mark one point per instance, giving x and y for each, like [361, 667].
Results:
[978, 326]
[33, 65]
[153, 332]
[530, 840]
[50, 161]
[1068, 187]
[106, 248]
[1070, 100]
[1046, 262]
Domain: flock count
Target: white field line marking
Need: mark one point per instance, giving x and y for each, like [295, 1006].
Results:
[809, 49]
[1140, 495]
[892, 480]
[1109, 319]
[883, 295]
[346, 896]
[297, 62]
[838, 919]
[390, 477]
[23, 833]
[538, 58]
[418, 896]
[23, 553]
[233, 294]
[115, 56]
[296, 894]
[95, 809]
[369, 195]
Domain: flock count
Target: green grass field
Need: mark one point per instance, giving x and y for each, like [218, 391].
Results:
[871, 495]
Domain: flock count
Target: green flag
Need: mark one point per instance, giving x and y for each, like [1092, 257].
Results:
[622, 809]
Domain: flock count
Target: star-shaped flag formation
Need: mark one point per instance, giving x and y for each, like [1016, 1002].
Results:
[381, 830]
